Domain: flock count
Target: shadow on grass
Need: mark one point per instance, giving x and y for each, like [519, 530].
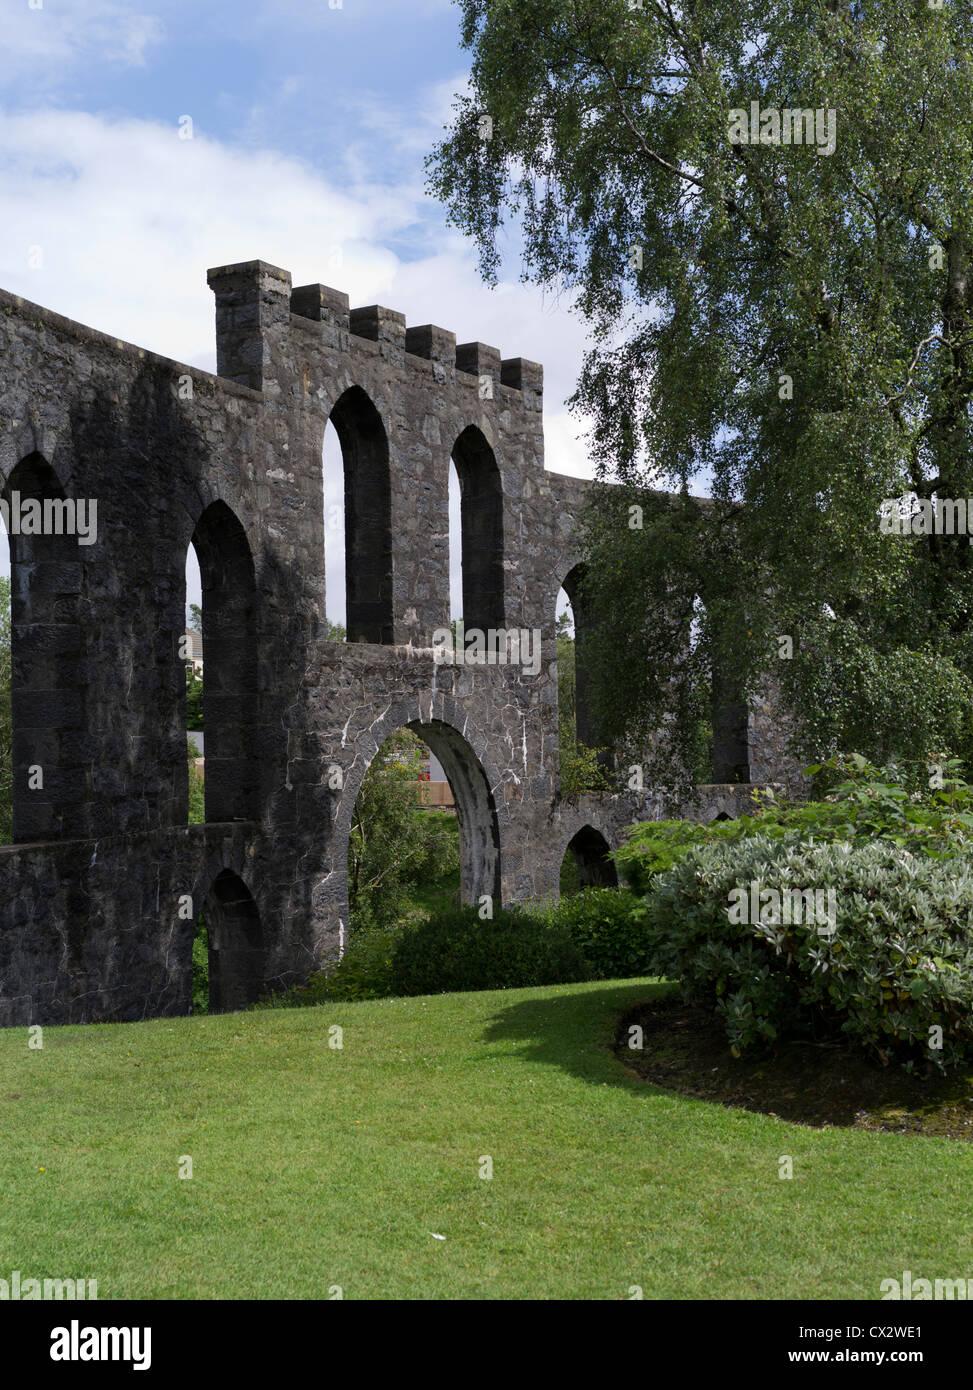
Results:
[685, 1052]
[576, 1030]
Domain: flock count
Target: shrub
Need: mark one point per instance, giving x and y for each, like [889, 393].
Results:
[609, 927]
[898, 965]
[864, 804]
[581, 771]
[926, 808]
[455, 950]
[197, 791]
[653, 847]
[6, 718]
[569, 879]
[364, 972]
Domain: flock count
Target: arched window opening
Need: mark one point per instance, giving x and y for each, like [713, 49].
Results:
[455, 546]
[228, 951]
[367, 497]
[229, 697]
[700, 666]
[481, 530]
[721, 741]
[587, 862]
[333, 474]
[46, 702]
[593, 756]
[194, 659]
[476, 812]
[567, 723]
[731, 744]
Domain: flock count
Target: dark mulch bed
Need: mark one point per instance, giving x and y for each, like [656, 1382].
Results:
[820, 1084]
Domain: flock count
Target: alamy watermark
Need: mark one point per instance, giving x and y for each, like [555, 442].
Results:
[925, 516]
[769, 125]
[925, 1290]
[17, 1289]
[494, 646]
[52, 516]
[77, 1343]
[772, 907]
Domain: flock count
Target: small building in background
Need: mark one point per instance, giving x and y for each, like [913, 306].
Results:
[194, 649]
[433, 785]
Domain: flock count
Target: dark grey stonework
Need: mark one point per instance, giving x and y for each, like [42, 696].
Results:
[99, 891]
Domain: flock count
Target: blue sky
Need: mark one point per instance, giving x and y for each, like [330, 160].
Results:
[310, 125]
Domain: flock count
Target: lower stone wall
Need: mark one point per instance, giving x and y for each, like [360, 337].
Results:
[101, 930]
[91, 931]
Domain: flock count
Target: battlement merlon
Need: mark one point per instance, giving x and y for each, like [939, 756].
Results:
[254, 304]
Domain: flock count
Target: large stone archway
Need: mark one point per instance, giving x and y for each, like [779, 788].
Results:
[481, 818]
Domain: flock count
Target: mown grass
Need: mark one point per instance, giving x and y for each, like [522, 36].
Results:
[316, 1167]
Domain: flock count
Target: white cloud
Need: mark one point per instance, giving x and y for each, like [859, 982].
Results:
[299, 15]
[128, 218]
[565, 450]
[376, 117]
[47, 40]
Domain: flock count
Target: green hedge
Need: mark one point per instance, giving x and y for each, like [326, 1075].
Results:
[898, 965]
[597, 934]
[609, 926]
[456, 950]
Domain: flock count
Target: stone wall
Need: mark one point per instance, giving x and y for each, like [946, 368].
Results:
[99, 891]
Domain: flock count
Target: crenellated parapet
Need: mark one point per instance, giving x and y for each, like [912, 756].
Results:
[254, 305]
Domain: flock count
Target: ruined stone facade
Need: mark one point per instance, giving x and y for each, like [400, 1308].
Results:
[99, 892]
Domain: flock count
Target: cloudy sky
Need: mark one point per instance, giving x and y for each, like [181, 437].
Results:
[309, 120]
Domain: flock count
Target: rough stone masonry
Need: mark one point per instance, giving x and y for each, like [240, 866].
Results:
[101, 888]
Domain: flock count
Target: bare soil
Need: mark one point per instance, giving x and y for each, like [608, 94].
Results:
[824, 1085]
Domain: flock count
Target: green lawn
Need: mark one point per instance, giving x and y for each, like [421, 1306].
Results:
[315, 1167]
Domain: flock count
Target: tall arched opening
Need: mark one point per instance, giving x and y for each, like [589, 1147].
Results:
[367, 518]
[230, 937]
[6, 691]
[47, 701]
[333, 490]
[587, 733]
[422, 830]
[725, 728]
[481, 530]
[588, 862]
[476, 812]
[228, 586]
[566, 652]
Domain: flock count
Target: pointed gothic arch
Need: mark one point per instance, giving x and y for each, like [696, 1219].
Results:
[230, 693]
[481, 530]
[368, 518]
